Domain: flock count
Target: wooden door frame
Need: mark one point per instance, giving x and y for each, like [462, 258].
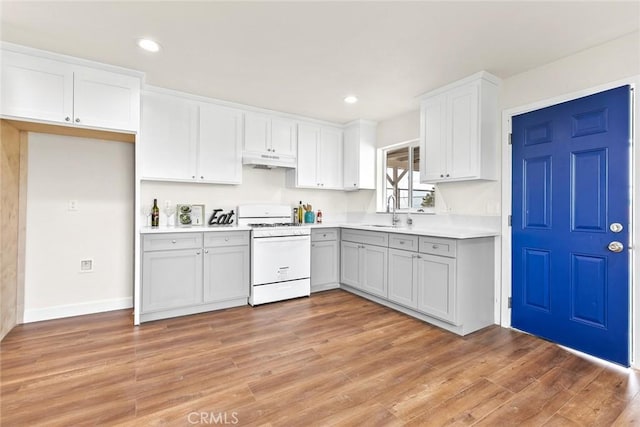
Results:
[503, 288]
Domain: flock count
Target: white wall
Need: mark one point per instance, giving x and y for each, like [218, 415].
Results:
[258, 185]
[100, 176]
[608, 62]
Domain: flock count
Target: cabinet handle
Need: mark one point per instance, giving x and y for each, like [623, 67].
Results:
[201, 177]
[447, 175]
[77, 120]
[226, 239]
[313, 245]
[206, 251]
[441, 176]
[68, 119]
[198, 253]
[418, 256]
[435, 246]
[354, 184]
[193, 176]
[401, 242]
[173, 241]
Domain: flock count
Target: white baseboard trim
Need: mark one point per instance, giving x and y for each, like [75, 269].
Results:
[60, 311]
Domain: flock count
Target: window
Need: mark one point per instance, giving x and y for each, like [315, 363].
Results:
[401, 174]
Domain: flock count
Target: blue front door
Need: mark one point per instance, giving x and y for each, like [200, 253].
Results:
[571, 202]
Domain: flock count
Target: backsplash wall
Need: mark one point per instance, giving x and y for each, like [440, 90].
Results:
[258, 186]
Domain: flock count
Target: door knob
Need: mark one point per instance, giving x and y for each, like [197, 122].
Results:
[616, 246]
[616, 227]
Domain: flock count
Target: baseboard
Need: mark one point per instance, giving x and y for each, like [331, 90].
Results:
[60, 311]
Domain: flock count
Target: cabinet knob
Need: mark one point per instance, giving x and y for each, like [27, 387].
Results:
[206, 251]
[226, 239]
[401, 242]
[193, 176]
[354, 184]
[418, 256]
[173, 241]
[435, 246]
[441, 176]
[198, 253]
[447, 175]
[68, 119]
[77, 120]
[201, 177]
[313, 245]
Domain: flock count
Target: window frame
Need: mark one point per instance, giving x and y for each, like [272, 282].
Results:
[381, 190]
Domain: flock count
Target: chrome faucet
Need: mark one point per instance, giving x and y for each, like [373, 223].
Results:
[394, 217]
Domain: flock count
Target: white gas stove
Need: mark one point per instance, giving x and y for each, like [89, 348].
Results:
[280, 253]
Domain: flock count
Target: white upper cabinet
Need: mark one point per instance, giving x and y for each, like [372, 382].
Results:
[220, 145]
[106, 100]
[168, 137]
[182, 139]
[269, 134]
[42, 89]
[360, 155]
[319, 158]
[459, 136]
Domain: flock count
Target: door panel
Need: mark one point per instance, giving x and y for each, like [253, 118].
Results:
[571, 180]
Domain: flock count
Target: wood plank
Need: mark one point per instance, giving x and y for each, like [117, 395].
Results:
[331, 359]
[71, 131]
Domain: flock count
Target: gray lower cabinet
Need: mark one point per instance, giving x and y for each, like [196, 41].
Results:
[436, 287]
[171, 279]
[363, 265]
[226, 273]
[403, 287]
[447, 282]
[193, 272]
[325, 259]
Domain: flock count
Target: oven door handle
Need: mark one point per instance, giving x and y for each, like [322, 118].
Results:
[282, 238]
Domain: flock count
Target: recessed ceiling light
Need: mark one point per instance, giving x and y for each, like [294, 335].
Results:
[351, 99]
[149, 45]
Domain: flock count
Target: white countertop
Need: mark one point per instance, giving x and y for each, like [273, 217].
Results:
[193, 229]
[447, 232]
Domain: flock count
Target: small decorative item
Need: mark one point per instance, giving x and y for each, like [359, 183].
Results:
[309, 217]
[319, 217]
[222, 219]
[188, 215]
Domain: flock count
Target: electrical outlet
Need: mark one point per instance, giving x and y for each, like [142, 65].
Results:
[86, 265]
[73, 205]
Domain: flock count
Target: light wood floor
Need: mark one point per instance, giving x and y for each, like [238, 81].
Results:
[330, 360]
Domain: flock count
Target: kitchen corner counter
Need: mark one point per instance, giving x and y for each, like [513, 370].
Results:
[447, 232]
[160, 230]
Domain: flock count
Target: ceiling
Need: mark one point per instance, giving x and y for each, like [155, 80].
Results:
[305, 57]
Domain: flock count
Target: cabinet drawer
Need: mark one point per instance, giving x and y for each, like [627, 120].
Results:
[226, 238]
[403, 241]
[168, 241]
[438, 246]
[367, 237]
[324, 234]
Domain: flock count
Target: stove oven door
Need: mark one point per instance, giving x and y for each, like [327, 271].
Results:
[280, 259]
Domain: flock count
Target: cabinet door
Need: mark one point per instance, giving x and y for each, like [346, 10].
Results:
[351, 158]
[36, 88]
[437, 287]
[226, 273]
[220, 145]
[350, 272]
[374, 275]
[402, 286]
[283, 137]
[171, 279]
[256, 132]
[308, 142]
[330, 159]
[168, 141]
[324, 263]
[106, 100]
[463, 144]
[433, 139]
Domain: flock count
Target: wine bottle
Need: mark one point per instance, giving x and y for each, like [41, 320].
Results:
[155, 214]
[300, 213]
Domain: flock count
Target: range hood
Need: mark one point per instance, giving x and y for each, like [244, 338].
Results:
[268, 161]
